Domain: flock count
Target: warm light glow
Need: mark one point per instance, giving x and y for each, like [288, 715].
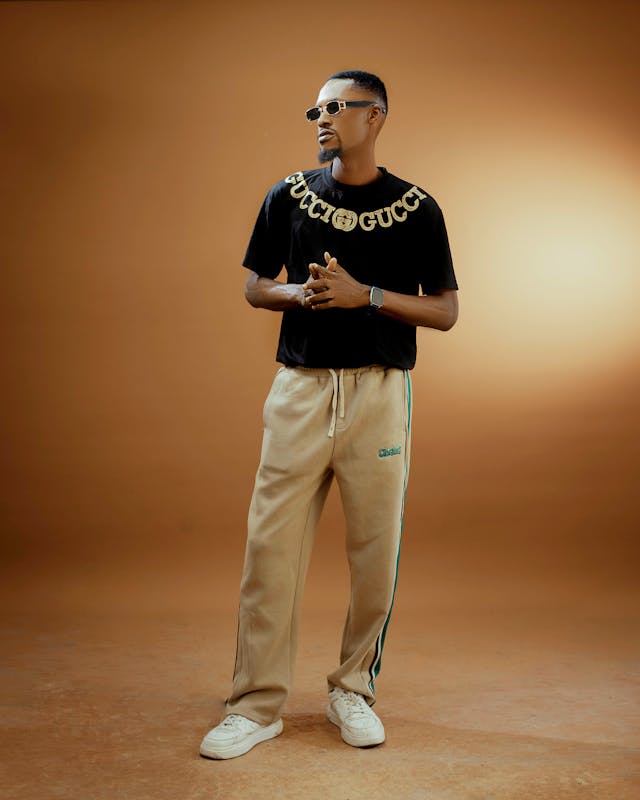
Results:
[550, 263]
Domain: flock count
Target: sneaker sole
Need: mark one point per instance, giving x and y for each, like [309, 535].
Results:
[353, 739]
[240, 748]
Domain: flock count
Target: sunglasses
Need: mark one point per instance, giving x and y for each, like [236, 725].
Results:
[334, 107]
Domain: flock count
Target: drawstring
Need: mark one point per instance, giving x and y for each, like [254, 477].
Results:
[338, 392]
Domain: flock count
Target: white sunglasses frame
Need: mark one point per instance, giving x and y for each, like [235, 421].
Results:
[342, 104]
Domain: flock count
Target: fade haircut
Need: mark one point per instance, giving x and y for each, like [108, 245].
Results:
[364, 80]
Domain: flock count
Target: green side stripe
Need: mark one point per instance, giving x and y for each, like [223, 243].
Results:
[377, 662]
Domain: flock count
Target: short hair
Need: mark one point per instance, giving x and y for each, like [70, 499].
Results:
[365, 80]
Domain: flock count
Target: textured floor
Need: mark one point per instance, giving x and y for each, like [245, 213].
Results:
[486, 701]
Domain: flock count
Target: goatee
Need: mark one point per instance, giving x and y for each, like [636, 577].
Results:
[326, 155]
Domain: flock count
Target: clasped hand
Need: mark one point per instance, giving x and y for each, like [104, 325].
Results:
[332, 287]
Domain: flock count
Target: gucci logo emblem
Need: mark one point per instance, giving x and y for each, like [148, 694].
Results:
[344, 220]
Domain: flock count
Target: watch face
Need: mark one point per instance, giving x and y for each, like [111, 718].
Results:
[377, 297]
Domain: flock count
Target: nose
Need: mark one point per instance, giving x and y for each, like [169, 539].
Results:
[323, 119]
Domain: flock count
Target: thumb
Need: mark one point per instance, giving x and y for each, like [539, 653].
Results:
[332, 263]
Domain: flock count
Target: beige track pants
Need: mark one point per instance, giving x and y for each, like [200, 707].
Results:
[354, 424]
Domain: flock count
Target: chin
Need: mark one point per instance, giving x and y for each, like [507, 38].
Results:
[328, 154]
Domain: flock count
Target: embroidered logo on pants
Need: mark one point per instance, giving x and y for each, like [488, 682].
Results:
[389, 451]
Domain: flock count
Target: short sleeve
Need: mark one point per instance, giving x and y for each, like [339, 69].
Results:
[436, 272]
[268, 247]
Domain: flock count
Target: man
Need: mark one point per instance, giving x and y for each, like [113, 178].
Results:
[359, 246]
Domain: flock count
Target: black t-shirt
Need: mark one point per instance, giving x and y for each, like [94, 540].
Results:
[388, 233]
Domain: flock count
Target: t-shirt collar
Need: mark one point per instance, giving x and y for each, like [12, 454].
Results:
[335, 185]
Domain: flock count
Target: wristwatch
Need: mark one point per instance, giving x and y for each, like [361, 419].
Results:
[376, 298]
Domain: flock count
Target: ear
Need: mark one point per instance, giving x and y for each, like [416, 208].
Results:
[375, 114]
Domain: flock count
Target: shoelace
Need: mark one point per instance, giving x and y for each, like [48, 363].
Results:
[356, 703]
[237, 721]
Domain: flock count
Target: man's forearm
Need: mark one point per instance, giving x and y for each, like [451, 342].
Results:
[333, 287]
[438, 311]
[276, 296]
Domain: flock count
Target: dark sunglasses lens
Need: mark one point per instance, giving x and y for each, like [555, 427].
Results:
[333, 107]
[313, 113]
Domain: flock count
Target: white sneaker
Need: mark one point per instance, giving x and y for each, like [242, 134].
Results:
[236, 735]
[359, 725]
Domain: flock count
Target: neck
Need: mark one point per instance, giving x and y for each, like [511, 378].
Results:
[355, 170]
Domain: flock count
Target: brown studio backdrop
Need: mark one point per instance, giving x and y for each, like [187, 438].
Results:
[137, 143]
